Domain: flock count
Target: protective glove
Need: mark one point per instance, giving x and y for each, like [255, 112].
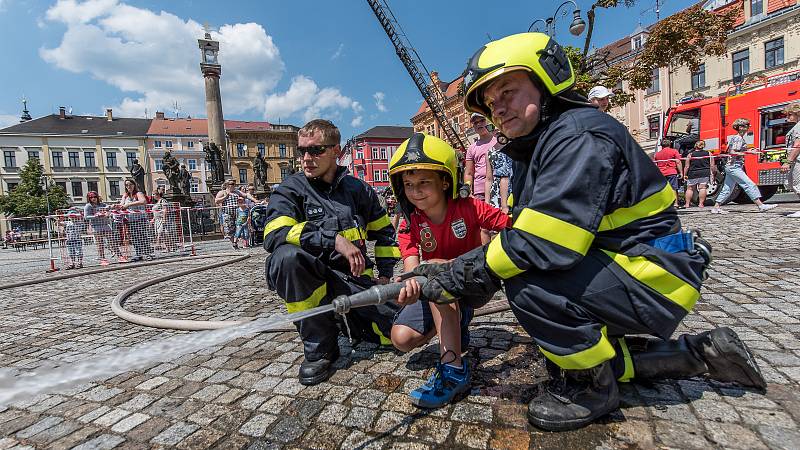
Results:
[433, 291]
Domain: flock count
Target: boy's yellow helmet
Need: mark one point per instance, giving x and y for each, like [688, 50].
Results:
[536, 53]
[422, 152]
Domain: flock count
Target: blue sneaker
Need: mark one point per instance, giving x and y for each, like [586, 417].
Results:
[466, 317]
[440, 389]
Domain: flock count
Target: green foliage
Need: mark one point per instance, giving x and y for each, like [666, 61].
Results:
[28, 198]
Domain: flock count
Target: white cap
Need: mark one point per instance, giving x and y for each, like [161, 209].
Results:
[600, 92]
[474, 115]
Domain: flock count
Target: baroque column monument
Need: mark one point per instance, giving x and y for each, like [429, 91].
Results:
[211, 69]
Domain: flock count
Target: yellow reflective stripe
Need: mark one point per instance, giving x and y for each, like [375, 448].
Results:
[498, 260]
[368, 272]
[279, 222]
[554, 230]
[627, 375]
[311, 302]
[353, 234]
[657, 278]
[510, 201]
[584, 359]
[379, 224]
[446, 295]
[294, 234]
[384, 339]
[387, 251]
[650, 206]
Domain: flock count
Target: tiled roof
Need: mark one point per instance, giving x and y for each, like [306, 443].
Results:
[385, 131]
[178, 127]
[81, 126]
[450, 92]
[233, 125]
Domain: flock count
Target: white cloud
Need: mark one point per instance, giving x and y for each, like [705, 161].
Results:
[379, 97]
[357, 121]
[304, 97]
[335, 55]
[153, 58]
[6, 120]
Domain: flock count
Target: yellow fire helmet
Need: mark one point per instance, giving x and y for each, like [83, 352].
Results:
[536, 53]
[422, 152]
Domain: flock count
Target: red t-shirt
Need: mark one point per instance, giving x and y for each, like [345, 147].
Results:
[667, 167]
[459, 233]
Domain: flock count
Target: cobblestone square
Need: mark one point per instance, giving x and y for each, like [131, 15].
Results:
[245, 394]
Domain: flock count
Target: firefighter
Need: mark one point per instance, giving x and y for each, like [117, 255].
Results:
[596, 250]
[318, 222]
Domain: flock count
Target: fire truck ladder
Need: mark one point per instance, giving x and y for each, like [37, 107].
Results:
[411, 60]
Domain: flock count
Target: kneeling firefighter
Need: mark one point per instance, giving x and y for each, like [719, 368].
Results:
[596, 251]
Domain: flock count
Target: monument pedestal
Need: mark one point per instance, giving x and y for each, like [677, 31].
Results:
[184, 200]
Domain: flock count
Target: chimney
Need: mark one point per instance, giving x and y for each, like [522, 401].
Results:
[159, 115]
[62, 112]
[109, 115]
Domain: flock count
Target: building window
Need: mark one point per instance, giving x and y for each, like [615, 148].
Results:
[282, 150]
[10, 158]
[168, 144]
[111, 159]
[62, 185]
[240, 151]
[242, 176]
[756, 7]
[636, 42]
[195, 186]
[113, 188]
[33, 154]
[655, 84]
[58, 159]
[383, 152]
[699, 77]
[261, 149]
[360, 153]
[653, 123]
[285, 172]
[88, 158]
[374, 153]
[91, 186]
[159, 164]
[77, 189]
[191, 163]
[385, 174]
[74, 159]
[130, 157]
[741, 65]
[11, 186]
[773, 51]
[157, 144]
[190, 144]
[376, 175]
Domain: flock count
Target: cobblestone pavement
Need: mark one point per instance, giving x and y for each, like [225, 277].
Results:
[245, 394]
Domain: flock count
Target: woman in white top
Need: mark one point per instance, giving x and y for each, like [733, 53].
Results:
[135, 203]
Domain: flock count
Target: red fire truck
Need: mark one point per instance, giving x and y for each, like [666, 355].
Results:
[762, 102]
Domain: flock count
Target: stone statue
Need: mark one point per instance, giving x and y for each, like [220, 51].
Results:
[171, 169]
[214, 161]
[260, 169]
[137, 173]
[185, 180]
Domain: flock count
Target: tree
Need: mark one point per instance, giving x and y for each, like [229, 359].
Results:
[28, 198]
[683, 39]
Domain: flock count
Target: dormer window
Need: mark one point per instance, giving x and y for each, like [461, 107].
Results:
[756, 7]
[637, 42]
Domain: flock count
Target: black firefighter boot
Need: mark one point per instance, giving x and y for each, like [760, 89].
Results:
[718, 353]
[317, 371]
[574, 398]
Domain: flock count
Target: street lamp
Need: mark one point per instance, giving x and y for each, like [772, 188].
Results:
[575, 28]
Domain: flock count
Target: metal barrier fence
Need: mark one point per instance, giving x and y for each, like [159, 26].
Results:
[110, 235]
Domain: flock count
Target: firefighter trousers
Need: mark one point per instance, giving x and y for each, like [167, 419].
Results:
[578, 317]
[304, 281]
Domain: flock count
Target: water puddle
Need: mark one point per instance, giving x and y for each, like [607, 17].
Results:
[15, 387]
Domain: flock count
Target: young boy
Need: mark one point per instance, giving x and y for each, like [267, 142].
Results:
[438, 226]
[74, 227]
[242, 224]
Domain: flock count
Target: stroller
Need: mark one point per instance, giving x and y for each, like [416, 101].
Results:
[258, 220]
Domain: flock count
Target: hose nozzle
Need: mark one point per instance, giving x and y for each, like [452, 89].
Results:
[376, 295]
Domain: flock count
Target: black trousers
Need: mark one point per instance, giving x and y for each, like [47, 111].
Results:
[304, 281]
[575, 315]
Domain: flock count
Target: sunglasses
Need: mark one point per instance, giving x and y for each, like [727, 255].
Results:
[313, 150]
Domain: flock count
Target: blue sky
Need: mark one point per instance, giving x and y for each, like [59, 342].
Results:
[282, 60]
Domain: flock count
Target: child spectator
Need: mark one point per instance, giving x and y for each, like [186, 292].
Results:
[438, 226]
[96, 214]
[699, 170]
[74, 227]
[242, 224]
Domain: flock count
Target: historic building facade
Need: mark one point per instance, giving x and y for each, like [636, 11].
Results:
[424, 121]
[760, 45]
[276, 143]
[78, 153]
[184, 139]
[367, 155]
